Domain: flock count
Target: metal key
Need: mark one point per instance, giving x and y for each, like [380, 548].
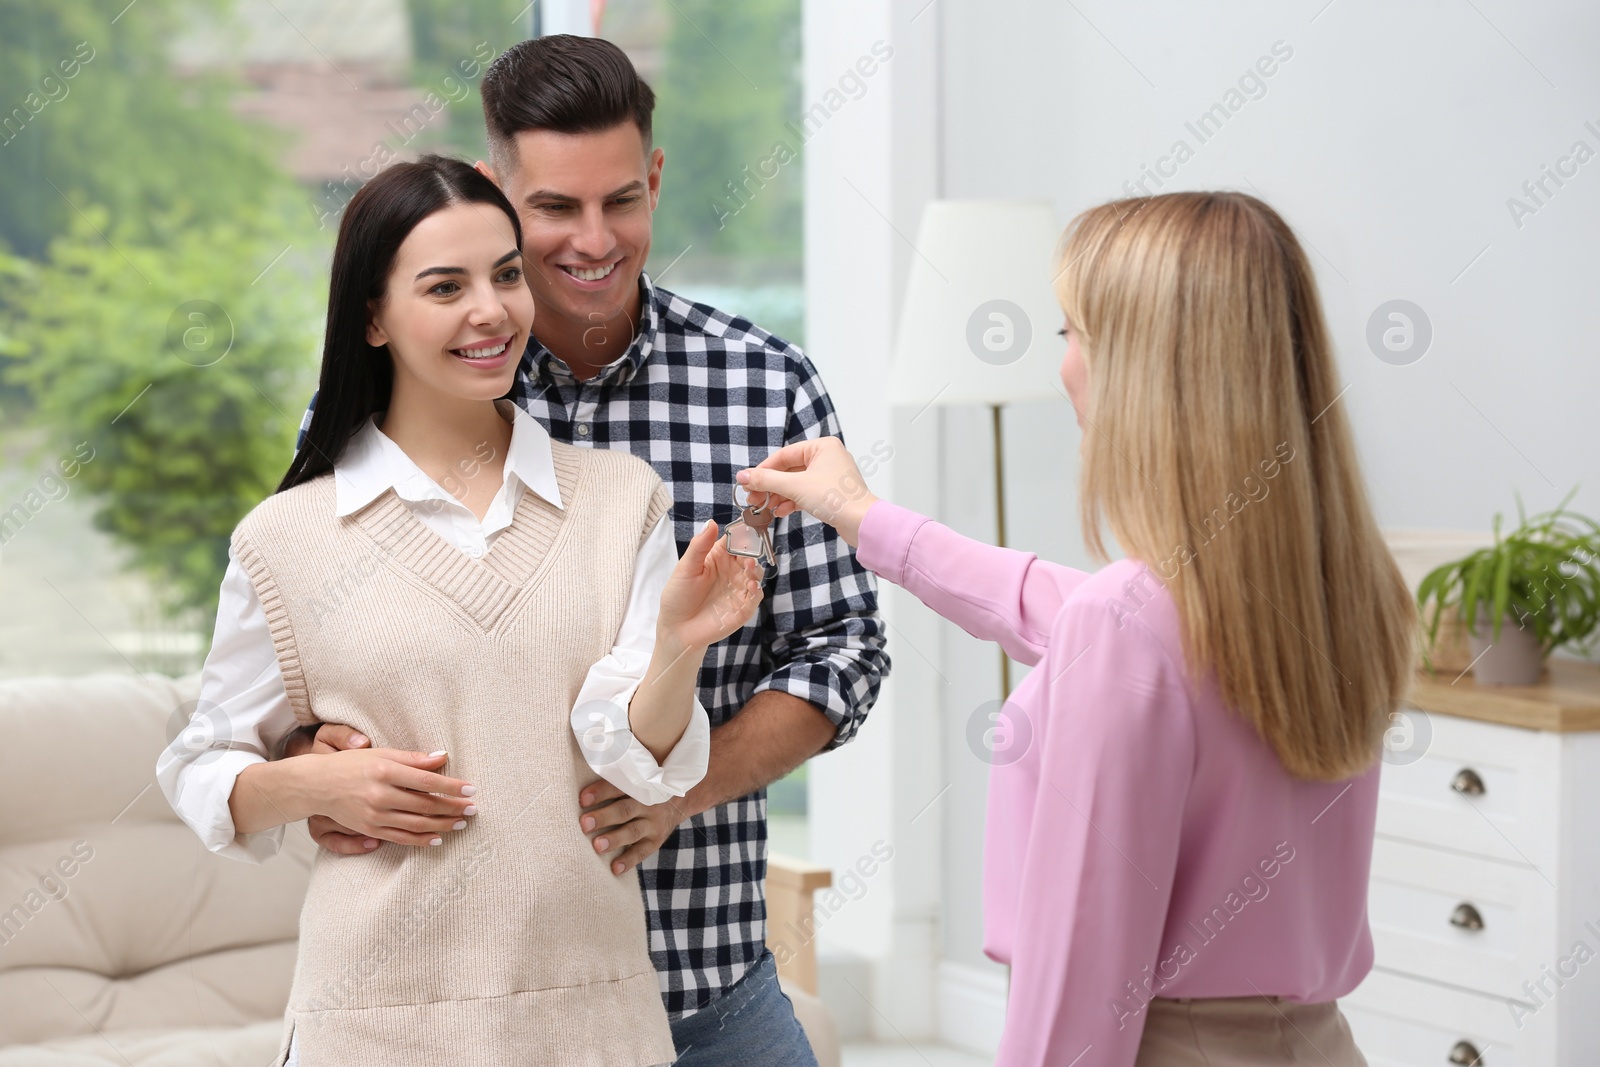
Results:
[749, 535]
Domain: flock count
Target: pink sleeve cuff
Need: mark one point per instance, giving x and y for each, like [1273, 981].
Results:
[884, 541]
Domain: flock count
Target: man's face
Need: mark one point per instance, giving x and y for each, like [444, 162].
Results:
[585, 201]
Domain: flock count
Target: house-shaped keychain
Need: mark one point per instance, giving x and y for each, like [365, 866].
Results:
[748, 534]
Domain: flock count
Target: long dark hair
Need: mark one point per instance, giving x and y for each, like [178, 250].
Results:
[356, 377]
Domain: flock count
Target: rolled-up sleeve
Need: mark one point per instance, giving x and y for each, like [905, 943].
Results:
[820, 617]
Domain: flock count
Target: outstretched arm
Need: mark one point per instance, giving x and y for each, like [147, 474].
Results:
[995, 594]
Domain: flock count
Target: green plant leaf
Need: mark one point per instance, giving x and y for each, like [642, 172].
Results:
[1544, 575]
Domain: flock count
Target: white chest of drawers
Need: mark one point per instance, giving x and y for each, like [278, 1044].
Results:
[1485, 892]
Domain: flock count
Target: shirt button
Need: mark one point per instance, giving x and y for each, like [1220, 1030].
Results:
[583, 431]
[475, 551]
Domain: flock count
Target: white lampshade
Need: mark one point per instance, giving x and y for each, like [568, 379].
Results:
[980, 318]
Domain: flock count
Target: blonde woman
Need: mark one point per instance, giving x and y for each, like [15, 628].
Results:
[1177, 857]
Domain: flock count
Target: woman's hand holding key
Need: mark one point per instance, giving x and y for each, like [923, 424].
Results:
[710, 594]
[817, 477]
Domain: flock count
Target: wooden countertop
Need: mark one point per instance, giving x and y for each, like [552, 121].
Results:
[1567, 698]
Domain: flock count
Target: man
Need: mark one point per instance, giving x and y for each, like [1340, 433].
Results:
[617, 362]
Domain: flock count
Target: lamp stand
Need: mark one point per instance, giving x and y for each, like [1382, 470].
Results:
[1000, 528]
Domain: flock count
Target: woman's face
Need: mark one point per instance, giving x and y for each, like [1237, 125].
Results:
[1074, 373]
[456, 311]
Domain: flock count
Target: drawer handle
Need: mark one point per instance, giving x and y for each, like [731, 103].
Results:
[1466, 917]
[1466, 1054]
[1467, 783]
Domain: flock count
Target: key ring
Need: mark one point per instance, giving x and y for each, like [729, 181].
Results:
[766, 498]
[747, 535]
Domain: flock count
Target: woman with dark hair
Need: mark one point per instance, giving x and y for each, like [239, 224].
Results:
[438, 574]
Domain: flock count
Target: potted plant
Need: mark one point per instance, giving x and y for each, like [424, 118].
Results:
[1535, 589]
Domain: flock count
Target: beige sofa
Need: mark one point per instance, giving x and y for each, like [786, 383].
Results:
[122, 940]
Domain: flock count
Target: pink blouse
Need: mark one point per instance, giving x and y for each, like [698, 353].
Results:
[1141, 839]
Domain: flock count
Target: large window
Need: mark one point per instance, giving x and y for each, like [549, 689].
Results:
[171, 176]
[728, 227]
[727, 81]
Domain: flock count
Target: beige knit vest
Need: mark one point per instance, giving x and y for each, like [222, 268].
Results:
[511, 944]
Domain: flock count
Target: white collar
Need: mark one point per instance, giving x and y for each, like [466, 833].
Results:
[372, 463]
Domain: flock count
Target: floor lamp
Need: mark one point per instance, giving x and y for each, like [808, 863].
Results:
[979, 321]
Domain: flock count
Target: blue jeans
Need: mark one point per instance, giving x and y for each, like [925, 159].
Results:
[750, 1025]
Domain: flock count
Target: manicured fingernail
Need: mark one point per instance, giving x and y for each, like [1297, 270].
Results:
[588, 822]
[369, 843]
[742, 477]
[358, 739]
[437, 841]
[438, 753]
[459, 824]
[470, 809]
[601, 845]
[469, 790]
[617, 868]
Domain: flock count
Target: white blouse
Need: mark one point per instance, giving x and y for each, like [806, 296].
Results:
[244, 709]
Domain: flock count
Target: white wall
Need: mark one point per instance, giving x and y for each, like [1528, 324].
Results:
[869, 169]
[1391, 140]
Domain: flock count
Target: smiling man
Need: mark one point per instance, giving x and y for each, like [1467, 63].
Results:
[618, 362]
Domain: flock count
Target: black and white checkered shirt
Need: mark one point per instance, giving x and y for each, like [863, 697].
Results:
[701, 394]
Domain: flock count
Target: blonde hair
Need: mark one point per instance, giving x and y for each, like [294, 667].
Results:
[1212, 390]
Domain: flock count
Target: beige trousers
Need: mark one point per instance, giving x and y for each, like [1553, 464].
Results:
[1246, 1032]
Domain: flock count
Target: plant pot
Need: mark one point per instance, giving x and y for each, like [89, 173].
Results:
[1450, 653]
[1513, 658]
